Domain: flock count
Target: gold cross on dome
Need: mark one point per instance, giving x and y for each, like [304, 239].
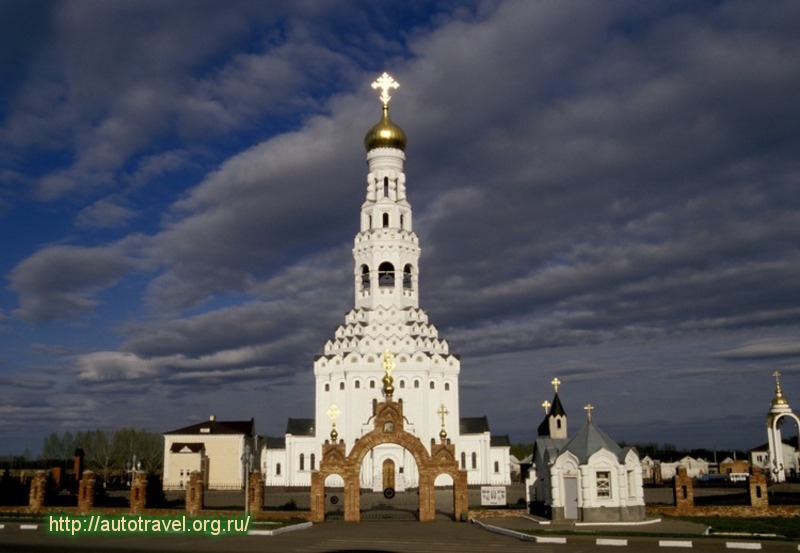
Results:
[546, 405]
[388, 362]
[555, 382]
[442, 412]
[333, 413]
[589, 408]
[385, 82]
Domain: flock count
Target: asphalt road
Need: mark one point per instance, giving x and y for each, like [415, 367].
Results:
[378, 537]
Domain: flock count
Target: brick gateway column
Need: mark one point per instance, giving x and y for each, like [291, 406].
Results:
[138, 498]
[255, 492]
[36, 495]
[86, 492]
[758, 489]
[683, 491]
[194, 494]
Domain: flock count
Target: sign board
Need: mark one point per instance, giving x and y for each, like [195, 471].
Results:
[493, 495]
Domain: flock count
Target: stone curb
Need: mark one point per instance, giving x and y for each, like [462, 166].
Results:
[279, 531]
[618, 542]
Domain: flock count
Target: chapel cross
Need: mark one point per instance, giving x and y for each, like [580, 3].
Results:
[385, 82]
[589, 408]
[546, 405]
[555, 382]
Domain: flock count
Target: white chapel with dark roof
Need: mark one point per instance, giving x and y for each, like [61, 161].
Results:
[586, 477]
[386, 317]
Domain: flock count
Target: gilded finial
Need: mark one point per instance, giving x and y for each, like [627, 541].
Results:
[388, 366]
[546, 404]
[555, 382]
[442, 412]
[778, 399]
[589, 408]
[385, 82]
[333, 414]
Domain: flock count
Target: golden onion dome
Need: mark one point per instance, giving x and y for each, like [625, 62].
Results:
[779, 400]
[385, 134]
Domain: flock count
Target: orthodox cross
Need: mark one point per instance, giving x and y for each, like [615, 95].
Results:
[442, 412]
[778, 389]
[388, 362]
[546, 405]
[443, 433]
[589, 408]
[333, 413]
[385, 82]
[555, 382]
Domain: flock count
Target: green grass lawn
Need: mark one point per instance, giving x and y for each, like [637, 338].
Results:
[787, 527]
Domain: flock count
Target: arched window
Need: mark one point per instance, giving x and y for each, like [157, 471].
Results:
[313, 461]
[386, 187]
[407, 277]
[386, 274]
[402, 222]
[474, 460]
[277, 469]
[496, 467]
[372, 384]
[327, 387]
[433, 386]
[364, 277]
[446, 386]
[416, 383]
[302, 461]
[463, 460]
[385, 220]
[402, 383]
[358, 384]
[558, 424]
[341, 385]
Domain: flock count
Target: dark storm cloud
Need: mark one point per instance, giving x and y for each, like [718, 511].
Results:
[595, 197]
[60, 281]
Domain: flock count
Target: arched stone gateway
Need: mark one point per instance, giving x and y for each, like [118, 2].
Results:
[388, 429]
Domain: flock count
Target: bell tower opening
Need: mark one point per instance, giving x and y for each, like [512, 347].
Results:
[386, 274]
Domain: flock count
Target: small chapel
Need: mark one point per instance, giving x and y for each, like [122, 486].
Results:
[386, 317]
[587, 477]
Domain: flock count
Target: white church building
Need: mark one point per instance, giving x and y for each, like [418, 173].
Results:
[587, 477]
[386, 316]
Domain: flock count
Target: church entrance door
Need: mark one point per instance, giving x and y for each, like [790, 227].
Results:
[388, 475]
[570, 498]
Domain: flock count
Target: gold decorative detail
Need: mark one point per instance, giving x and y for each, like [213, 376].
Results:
[442, 412]
[556, 383]
[385, 82]
[546, 405]
[333, 414]
[385, 134]
[778, 399]
[589, 408]
[388, 366]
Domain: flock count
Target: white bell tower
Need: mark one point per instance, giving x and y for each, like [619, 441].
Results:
[386, 250]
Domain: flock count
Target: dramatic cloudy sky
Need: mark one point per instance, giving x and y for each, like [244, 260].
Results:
[606, 192]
